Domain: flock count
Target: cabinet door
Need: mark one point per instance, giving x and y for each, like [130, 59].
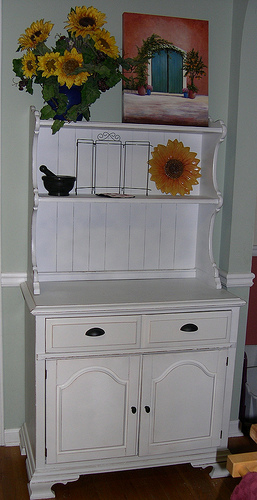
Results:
[91, 408]
[182, 401]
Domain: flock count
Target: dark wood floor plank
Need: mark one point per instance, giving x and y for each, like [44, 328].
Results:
[178, 482]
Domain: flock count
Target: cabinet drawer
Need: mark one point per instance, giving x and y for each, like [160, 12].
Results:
[72, 334]
[190, 328]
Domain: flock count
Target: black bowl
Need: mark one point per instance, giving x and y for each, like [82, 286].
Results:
[58, 185]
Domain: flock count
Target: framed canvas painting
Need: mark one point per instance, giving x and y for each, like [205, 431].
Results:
[169, 80]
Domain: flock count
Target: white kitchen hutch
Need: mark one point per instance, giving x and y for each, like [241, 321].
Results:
[130, 339]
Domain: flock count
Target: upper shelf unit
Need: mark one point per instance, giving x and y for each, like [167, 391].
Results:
[113, 157]
[145, 235]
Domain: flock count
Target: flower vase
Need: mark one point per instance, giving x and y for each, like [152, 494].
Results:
[74, 97]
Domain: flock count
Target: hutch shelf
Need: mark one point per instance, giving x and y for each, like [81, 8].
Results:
[130, 338]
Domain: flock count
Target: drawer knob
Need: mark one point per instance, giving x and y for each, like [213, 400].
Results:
[133, 409]
[95, 332]
[147, 409]
[189, 327]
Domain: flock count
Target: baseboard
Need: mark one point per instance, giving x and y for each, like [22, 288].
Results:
[12, 437]
[12, 279]
[235, 429]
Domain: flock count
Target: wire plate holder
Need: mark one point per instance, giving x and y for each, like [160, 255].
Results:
[108, 164]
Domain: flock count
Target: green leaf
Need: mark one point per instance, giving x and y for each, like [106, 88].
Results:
[48, 92]
[86, 113]
[88, 57]
[90, 92]
[57, 125]
[103, 71]
[73, 112]
[61, 45]
[29, 88]
[17, 67]
[41, 49]
[113, 79]
[62, 100]
[47, 112]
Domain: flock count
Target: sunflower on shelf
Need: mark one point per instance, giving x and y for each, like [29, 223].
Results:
[174, 168]
[86, 61]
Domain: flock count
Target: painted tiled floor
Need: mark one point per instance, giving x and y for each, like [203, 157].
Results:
[160, 108]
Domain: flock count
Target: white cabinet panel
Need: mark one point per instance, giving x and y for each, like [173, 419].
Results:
[64, 237]
[182, 397]
[137, 237]
[97, 236]
[188, 329]
[116, 246]
[91, 334]
[81, 237]
[167, 236]
[45, 244]
[88, 408]
[186, 231]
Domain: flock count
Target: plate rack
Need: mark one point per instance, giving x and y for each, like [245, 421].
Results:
[107, 161]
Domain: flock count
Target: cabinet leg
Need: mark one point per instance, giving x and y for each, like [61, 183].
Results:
[219, 470]
[39, 490]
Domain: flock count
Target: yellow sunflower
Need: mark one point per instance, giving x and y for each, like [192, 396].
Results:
[174, 168]
[29, 65]
[106, 43]
[84, 20]
[47, 63]
[65, 67]
[37, 32]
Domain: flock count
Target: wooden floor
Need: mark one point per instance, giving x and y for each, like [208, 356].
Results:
[177, 482]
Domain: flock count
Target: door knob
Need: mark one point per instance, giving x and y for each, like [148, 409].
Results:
[133, 409]
[147, 409]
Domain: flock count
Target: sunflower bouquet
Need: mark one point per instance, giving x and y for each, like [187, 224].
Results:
[86, 60]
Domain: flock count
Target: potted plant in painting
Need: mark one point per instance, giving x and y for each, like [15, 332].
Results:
[185, 91]
[152, 45]
[194, 68]
[192, 90]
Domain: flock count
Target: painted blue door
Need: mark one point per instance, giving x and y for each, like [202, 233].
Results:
[160, 72]
[167, 72]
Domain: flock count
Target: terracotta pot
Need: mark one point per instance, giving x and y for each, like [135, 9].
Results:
[141, 90]
[191, 94]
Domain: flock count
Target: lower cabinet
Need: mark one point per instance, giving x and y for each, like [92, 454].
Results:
[140, 404]
[118, 385]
